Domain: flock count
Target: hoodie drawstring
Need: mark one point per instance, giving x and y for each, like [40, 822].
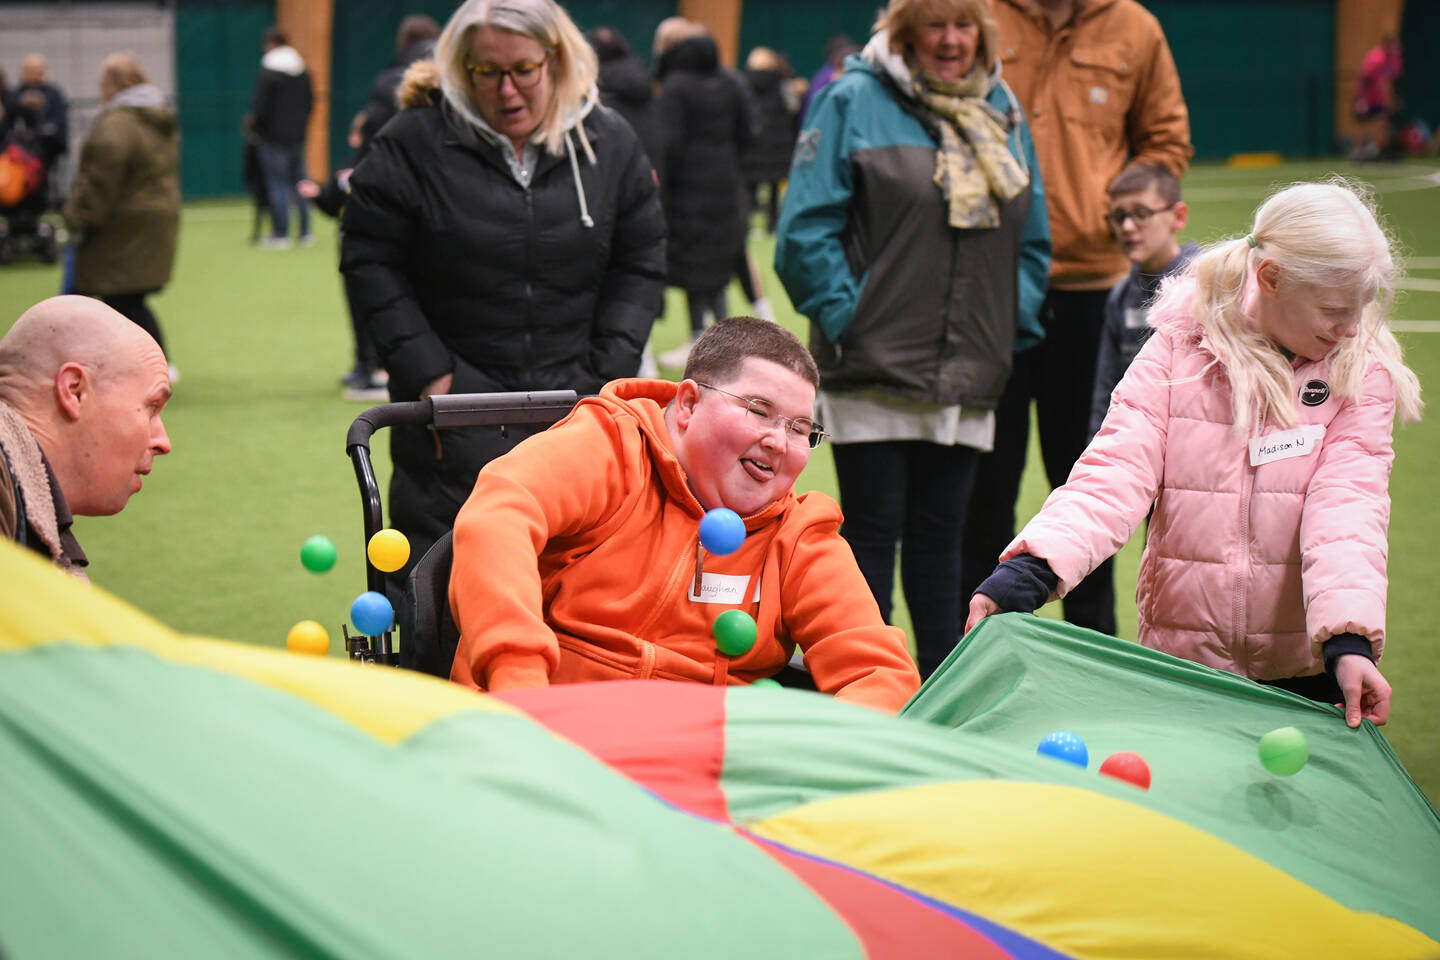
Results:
[579, 187]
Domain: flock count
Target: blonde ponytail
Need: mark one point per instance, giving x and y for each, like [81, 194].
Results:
[1320, 235]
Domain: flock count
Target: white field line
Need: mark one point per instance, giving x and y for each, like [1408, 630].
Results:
[1420, 180]
[1416, 326]
[1422, 284]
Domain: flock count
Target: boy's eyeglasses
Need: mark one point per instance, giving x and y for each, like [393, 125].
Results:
[801, 428]
[524, 75]
[1141, 215]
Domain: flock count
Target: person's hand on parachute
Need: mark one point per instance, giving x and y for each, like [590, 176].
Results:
[981, 607]
[1367, 693]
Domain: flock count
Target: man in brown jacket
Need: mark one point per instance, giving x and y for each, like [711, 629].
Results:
[1100, 90]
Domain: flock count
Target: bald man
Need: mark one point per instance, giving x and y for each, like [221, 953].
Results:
[81, 390]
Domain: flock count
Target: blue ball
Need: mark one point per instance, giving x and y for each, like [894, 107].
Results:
[1063, 745]
[371, 613]
[722, 531]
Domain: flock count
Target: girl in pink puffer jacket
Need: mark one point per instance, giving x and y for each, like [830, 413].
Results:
[1257, 421]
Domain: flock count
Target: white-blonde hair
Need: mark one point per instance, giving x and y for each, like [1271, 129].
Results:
[571, 61]
[1319, 235]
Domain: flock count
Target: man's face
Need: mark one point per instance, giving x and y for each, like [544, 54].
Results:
[731, 456]
[121, 435]
[1145, 225]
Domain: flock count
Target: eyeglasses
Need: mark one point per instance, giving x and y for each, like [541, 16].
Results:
[524, 75]
[801, 428]
[1141, 216]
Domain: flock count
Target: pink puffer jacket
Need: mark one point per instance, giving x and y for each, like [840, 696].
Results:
[1247, 568]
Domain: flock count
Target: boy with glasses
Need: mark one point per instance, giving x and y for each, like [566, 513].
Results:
[1146, 215]
[577, 556]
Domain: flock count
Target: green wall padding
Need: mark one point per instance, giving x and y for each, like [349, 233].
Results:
[217, 51]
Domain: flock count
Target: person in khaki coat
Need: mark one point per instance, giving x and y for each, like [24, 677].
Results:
[125, 204]
[1100, 91]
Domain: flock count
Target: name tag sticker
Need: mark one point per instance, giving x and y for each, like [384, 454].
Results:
[1136, 318]
[1287, 444]
[723, 588]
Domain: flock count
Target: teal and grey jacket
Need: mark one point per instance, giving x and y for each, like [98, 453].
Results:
[898, 300]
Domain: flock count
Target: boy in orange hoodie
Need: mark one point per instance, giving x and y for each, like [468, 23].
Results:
[577, 555]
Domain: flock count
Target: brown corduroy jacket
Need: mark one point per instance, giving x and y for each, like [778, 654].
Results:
[1100, 92]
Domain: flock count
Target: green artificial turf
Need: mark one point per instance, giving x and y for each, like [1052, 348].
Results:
[211, 546]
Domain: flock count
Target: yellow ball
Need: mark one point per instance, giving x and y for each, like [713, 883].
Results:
[388, 550]
[308, 637]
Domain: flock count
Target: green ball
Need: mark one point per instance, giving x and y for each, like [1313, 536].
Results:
[317, 554]
[766, 682]
[734, 632]
[1284, 751]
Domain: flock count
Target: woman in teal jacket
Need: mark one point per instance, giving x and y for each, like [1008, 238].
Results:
[914, 236]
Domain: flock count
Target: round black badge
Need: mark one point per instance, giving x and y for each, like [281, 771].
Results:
[1314, 393]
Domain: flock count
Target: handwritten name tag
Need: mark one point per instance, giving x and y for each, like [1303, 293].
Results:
[1299, 442]
[723, 588]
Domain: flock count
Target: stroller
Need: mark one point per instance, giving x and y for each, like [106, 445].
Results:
[25, 196]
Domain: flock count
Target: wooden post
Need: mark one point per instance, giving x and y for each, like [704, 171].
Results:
[722, 19]
[309, 23]
[1359, 26]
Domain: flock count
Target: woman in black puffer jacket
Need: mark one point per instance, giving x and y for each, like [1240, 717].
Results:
[503, 233]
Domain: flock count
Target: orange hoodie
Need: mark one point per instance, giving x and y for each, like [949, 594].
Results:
[577, 557]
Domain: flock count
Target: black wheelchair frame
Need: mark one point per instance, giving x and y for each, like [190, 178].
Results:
[444, 411]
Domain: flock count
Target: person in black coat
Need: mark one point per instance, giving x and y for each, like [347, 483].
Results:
[280, 112]
[42, 107]
[767, 161]
[414, 40]
[708, 119]
[504, 232]
[625, 87]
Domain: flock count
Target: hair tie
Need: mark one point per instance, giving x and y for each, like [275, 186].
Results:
[1250, 239]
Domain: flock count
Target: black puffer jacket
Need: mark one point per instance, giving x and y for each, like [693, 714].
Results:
[625, 88]
[457, 268]
[708, 119]
[768, 159]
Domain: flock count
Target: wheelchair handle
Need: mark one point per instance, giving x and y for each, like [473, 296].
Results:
[463, 410]
[443, 411]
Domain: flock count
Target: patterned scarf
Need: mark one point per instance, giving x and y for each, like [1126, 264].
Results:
[974, 166]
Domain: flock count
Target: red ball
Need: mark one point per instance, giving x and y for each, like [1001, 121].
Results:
[1127, 766]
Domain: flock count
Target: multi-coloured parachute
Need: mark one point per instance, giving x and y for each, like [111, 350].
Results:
[172, 796]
